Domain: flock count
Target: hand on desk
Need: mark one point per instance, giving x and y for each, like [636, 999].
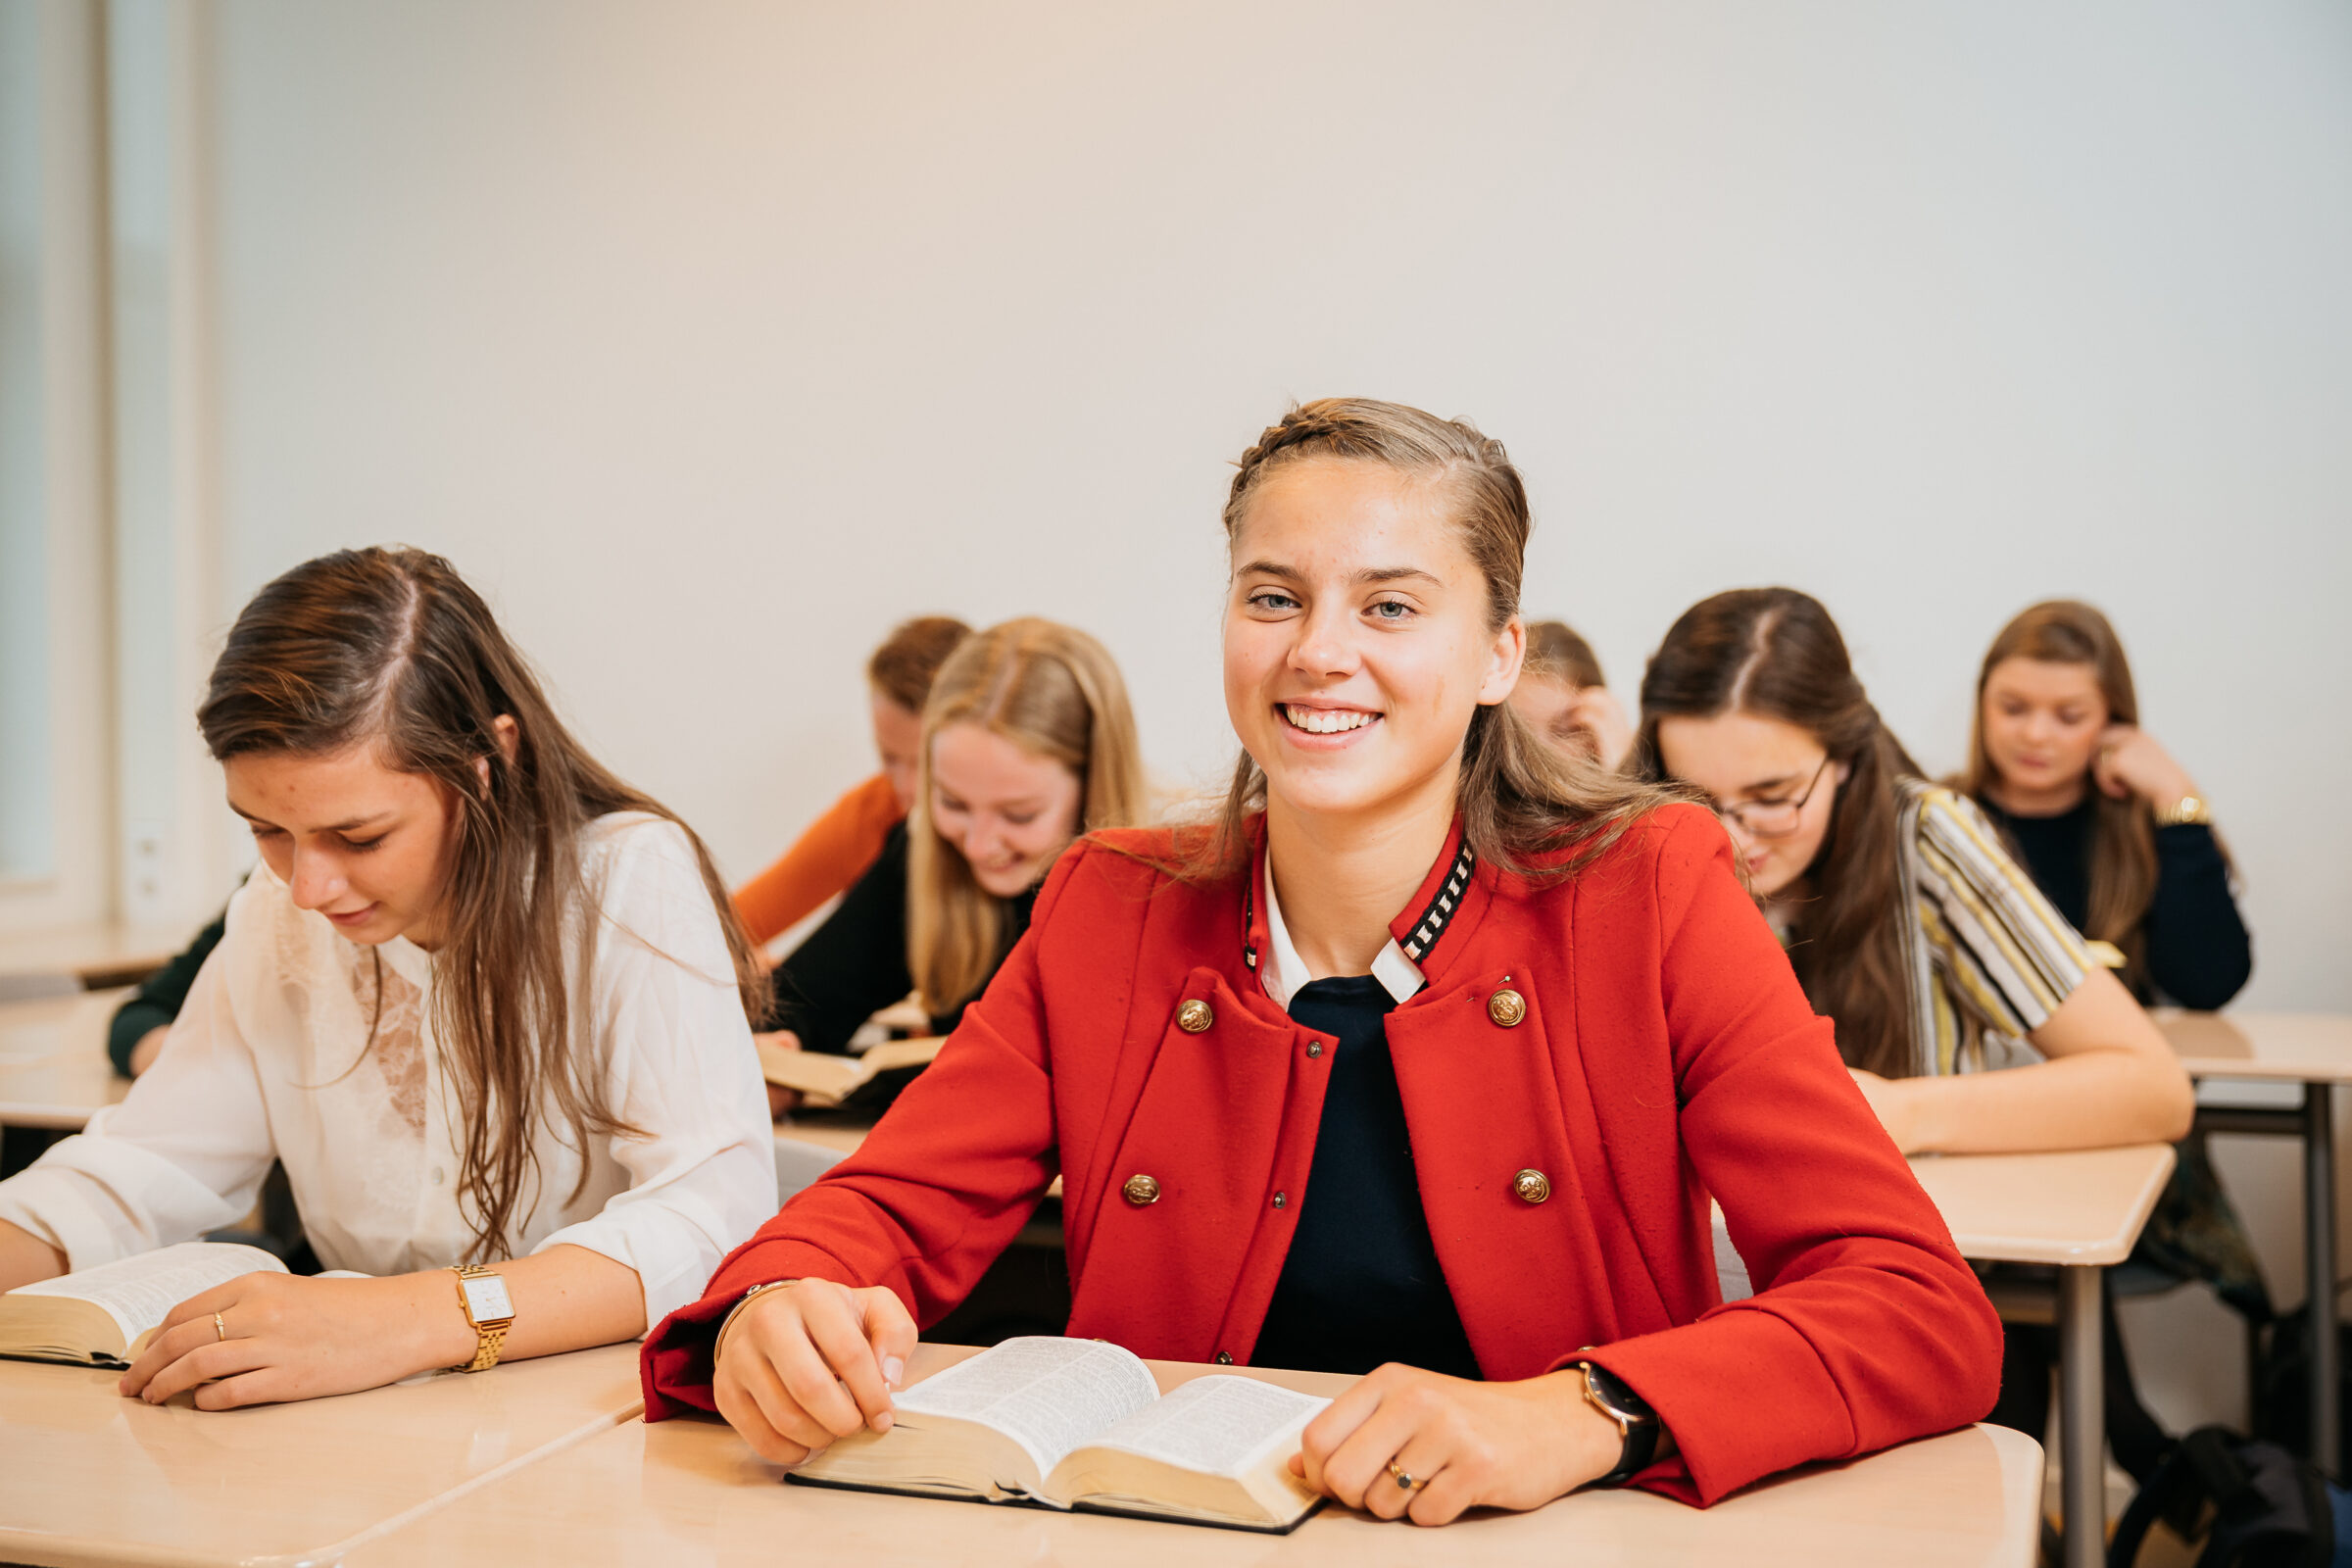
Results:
[1471, 1444]
[287, 1338]
[810, 1361]
[280, 1337]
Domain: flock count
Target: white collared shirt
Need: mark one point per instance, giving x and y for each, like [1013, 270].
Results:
[1281, 972]
[282, 1051]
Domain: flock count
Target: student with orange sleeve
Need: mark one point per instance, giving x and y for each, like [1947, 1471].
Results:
[836, 849]
[1420, 1063]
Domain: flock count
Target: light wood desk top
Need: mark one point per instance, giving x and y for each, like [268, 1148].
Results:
[2077, 1206]
[94, 956]
[841, 1137]
[53, 1067]
[92, 1477]
[2313, 1047]
[687, 1492]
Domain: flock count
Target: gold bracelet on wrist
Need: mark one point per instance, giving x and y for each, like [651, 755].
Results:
[719, 1343]
[2188, 810]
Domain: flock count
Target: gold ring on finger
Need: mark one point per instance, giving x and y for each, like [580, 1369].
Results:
[219, 1329]
[1405, 1482]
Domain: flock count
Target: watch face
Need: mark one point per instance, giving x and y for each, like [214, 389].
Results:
[486, 1298]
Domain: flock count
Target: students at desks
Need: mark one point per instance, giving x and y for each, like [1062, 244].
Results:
[1564, 699]
[2115, 832]
[842, 844]
[1027, 742]
[1908, 925]
[1422, 1058]
[488, 1004]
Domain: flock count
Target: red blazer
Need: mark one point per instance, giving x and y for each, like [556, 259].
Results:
[1664, 1051]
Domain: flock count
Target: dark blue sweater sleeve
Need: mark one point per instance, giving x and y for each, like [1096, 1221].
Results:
[2199, 955]
[157, 1003]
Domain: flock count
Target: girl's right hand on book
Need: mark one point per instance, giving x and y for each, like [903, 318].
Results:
[810, 1361]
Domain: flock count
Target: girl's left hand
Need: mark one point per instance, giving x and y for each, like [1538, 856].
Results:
[278, 1337]
[1469, 1444]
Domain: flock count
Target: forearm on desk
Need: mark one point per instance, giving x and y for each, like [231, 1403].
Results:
[564, 1298]
[2092, 1100]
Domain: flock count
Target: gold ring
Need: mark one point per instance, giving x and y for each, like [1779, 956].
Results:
[1405, 1483]
[220, 1329]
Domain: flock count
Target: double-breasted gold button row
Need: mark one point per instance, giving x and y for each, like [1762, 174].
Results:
[1507, 1008]
[1141, 1190]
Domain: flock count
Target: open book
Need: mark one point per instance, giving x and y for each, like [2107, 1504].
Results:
[824, 1079]
[1081, 1423]
[104, 1316]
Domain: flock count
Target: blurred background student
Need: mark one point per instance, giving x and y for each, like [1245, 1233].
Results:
[2116, 833]
[1564, 699]
[2121, 840]
[838, 847]
[1027, 741]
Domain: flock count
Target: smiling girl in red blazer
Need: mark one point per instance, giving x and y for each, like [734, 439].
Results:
[1422, 1064]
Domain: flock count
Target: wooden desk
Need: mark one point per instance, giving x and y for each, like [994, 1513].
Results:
[92, 1477]
[689, 1493]
[91, 956]
[53, 1067]
[2081, 1210]
[2313, 1050]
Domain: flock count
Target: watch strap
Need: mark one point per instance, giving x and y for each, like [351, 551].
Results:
[1636, 1421]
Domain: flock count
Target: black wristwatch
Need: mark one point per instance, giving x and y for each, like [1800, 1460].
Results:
[1606, 1393]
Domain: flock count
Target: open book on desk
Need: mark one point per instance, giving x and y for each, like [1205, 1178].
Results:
[105, 1317]
[824, 1080]
[1082, 1424]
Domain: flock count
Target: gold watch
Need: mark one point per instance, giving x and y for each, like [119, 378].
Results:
[2189, 808]
[482, 1293]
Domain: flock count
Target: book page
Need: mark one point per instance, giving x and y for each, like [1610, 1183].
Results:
[1219, 1424]
[1048, 1394]
[137, 1292]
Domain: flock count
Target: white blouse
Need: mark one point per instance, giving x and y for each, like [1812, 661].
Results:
[270, 1058]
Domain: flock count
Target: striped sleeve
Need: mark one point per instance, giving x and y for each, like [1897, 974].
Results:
[2009, 958]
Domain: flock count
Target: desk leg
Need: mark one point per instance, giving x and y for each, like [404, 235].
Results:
[2083, 1415]
[2318, 1250]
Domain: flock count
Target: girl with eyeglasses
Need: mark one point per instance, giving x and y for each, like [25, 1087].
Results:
[1908, 925]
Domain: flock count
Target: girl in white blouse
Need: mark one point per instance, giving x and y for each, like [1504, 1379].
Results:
[488, 1005]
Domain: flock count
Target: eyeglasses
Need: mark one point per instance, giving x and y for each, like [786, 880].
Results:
[1768, 819]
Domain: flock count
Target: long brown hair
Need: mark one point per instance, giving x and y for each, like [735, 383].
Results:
[1776, 653]
[2123, 833]
[1055, 692]
[390, 648]
[1527, 808]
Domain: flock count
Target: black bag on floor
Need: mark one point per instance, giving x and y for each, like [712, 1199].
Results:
[2283, 1383]
[2252, 1504]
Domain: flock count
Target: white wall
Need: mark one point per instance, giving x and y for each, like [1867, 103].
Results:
[713, 338]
